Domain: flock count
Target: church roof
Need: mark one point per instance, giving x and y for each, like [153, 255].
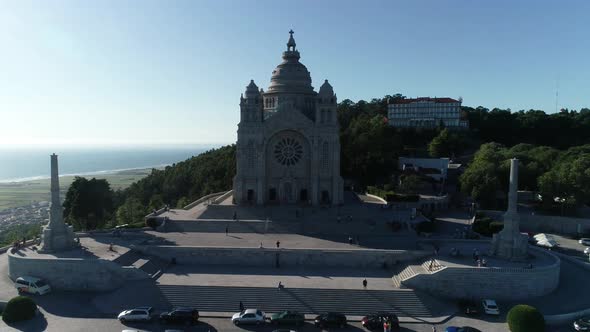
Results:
[291, 75]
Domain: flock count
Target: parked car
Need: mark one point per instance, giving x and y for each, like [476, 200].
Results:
[461, 329]
[31, 285]
[582, 324]
[134, 315]
[468, 307]
[180, 315]
[249, 316]
[490, 307]
[585, 241]
[330, 319]
[287, 318]
[375, 320]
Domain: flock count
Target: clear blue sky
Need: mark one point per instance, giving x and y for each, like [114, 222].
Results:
[156, 72]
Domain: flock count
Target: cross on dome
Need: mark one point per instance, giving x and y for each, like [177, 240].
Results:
[291, 42]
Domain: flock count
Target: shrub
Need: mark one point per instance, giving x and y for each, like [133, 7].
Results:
[524, 318]
[151, 222]
[495, 226]
[482, 225]
[19, 308]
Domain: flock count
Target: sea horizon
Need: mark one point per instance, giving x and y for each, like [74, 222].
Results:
[34, 164]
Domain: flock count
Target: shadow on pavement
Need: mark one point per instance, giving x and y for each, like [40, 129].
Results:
[38, 323]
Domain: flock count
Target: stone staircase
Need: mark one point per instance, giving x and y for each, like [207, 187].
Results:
[151, 265]
[359, 302]
[407, 271]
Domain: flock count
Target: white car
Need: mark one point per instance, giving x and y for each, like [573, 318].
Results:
[585, 241]
[31, 285]
[490, 307]
[134, 315]
[249, 316]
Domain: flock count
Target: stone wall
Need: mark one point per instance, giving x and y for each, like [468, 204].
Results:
[218, 226]
[74, 274]
[504, 284]
[546, 224]
[369, 258]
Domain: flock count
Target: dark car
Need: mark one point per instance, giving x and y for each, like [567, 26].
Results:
[180, 316]
[375, 320]
[461, 329]
[469, 307]
[582, 324]
[287, 318]
[330, 319]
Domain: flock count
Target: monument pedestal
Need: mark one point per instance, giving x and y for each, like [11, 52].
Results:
[53, 240]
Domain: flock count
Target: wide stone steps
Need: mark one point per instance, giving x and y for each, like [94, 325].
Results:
[151, 265]
[305, 300]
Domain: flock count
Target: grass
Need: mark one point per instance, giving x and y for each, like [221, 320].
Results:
[24, 193]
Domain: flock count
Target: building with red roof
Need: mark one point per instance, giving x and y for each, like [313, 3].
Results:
[426, 112]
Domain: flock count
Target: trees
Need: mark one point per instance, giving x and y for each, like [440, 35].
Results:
[525, 318]
[88, 203]
[446, 144]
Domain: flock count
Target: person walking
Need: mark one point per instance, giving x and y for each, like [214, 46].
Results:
[226, 230]
[433, 328]
[278, 244]
[365, 283]
[241, 306]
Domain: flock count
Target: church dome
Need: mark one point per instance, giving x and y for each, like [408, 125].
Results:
[291, 75]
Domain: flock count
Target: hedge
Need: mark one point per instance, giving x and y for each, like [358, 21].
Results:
[524, 318]
[19, 308]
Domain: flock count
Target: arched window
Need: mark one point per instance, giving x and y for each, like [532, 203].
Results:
[251, 155]
[325, 156]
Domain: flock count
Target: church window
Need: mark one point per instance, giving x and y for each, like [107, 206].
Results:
[288, 151]
[251, 155]
[325, 156]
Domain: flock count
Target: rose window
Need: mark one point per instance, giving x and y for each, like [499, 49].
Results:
[288, 151]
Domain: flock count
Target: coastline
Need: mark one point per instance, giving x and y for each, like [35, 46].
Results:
[27, 192]
[83, 174]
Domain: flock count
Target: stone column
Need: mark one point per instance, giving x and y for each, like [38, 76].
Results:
[57, 236]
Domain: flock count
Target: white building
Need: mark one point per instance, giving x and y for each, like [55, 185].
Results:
[435, 168]
[425, 112]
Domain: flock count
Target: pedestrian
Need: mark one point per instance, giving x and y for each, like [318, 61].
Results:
[24, 241]
[278, 244]
[261, 245]
[226, 230]
[235, 215]
[365, 283]
[433, 328]
[280, 285]
[241, 306]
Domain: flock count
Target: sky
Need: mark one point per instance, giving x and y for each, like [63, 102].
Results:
[171, 72]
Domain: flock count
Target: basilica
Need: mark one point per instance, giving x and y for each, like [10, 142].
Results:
[288, 148]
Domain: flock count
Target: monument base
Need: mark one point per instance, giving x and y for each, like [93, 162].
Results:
[513, 247]
[53, 240]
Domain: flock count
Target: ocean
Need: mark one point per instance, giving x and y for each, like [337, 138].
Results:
[17, 165]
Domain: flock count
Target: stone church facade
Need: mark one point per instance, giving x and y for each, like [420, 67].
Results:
[288, 148]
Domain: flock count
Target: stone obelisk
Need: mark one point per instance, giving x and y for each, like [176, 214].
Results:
[57, 236]
[509, 243]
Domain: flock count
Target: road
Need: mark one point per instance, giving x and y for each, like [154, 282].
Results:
[48, 322]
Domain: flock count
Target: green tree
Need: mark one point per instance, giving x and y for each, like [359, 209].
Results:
[131, 212]
[411, 184]
[525, 318]
[88, 203]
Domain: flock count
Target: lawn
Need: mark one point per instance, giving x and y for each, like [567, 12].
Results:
[24, 193]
